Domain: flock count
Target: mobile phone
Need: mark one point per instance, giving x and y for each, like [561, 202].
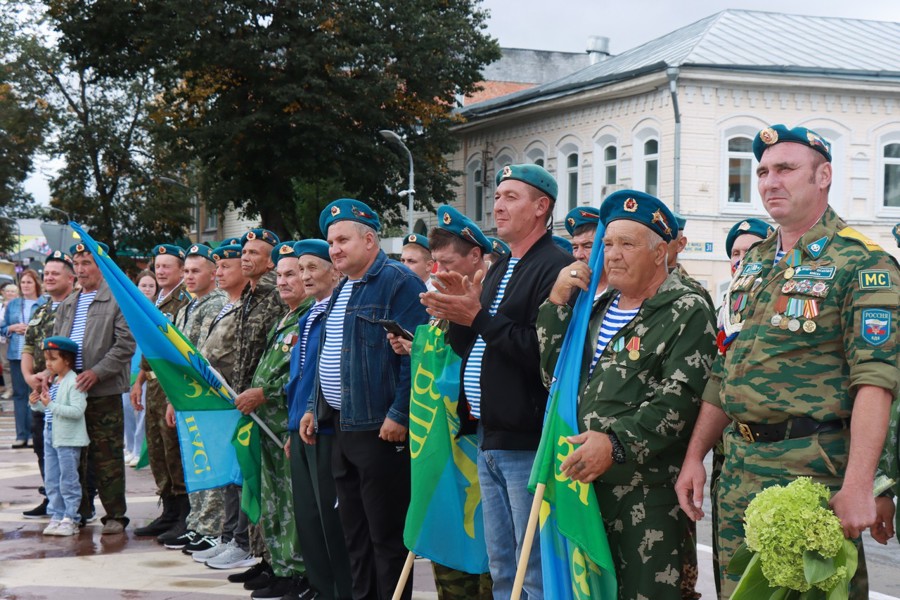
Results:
[395, 328]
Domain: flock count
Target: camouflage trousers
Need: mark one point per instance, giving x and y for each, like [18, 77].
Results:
[279, 529]
[718, 458]
[105, 422]
[652, 542]
[162, 444]
[207, 511]
[751, 467]
[459, 585]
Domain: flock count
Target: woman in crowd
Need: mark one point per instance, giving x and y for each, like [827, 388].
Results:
[134, 420]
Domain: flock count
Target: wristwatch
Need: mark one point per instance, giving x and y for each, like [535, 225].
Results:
[618, 451]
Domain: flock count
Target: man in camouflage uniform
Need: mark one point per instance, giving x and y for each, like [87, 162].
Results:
[676, 246]
[104, 361]
[59, 278]
[815, 309]
[204, 522]
[641, 380]
[266, 395]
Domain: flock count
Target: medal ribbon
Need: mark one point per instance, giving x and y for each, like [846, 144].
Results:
[634, 344]
[810, 309]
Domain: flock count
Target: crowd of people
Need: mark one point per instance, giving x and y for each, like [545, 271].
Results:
[793, 375]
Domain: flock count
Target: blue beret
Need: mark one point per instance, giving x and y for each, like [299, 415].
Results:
[201, 250]
[171, 249]
[315, 247]
[59, 256]
[348, 209]
[534, 175]
[681, 221]
[82, 247]
[232, 241]
[897, 234]
[499, 247]
[453, 221]
[260, 234]
[59, 342]
[283, 250]
[582, 215]
[416, 238]
[563, 243]
[799, 135]
[756, 227]
[229, 251]
[643, 208]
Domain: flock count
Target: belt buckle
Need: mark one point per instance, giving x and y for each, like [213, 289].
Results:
[745, 432]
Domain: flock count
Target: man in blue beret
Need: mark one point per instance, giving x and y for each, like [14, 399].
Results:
[564, 244]
[315, 503]
[162, 437]
[581, 223]
[417, 255]
[499, 251]
[92, 318]
[641, 379]
[676, 247]
[741, 236]
[816, 292]
[492, 329]
[363, 392]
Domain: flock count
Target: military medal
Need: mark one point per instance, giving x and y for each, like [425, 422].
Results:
[619, 345]
[776, 320]
[792, 261]
[789, 272]
[634, 346]
[735, 318]
[810, 311]
[809, 326]
[794, 325]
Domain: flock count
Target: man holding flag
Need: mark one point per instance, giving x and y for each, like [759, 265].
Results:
[643, 365]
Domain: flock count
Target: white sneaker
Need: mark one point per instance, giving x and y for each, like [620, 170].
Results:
[52, 527]
[232, 558]
[205, 555]
[66, 527]
[134, 461]
[127, 456]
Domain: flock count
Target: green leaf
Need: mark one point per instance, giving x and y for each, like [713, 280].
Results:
[781, 593]
[847, 556]
[813, 593]
[740, 560]
[816, 567]
[839, 592]
[753, 584]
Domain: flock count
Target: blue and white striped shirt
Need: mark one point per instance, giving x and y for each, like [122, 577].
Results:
[472, 374]
[613, 321]
[314, 312]
[48, 416]
[330, 355]
[85, 299]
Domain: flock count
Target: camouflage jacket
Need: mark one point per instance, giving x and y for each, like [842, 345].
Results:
[39, 327]
[647, 383]
[260, 310]
[693, 283]
[196, 325]
[274, 370]
[842, 297]
[220, 345]
[177, 298]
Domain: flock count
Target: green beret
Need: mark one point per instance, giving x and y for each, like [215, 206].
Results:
[315, 247]
[201, 250]
[499, 247]
[416, 238]
[229, 251]
[681, 221]
[232, 241]
[283, 250]
[59, 342]
[642, 208]
[59, 256]
[453, 221]
[260, 234]
[82, 247]
[563, 243]
[170, 249]
[756, 227]
[582, 215]
[777, 134]
[348, 209]
[534, 175]
[897, 234]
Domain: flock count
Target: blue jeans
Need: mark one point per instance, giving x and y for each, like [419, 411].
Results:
[506, 504]
[20, 401]
[61, 478]
[134, 425]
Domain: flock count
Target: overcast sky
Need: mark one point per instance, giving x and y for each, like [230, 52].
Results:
[566, 24]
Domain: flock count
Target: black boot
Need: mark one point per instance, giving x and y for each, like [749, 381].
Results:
[178, 528]
[163, 522]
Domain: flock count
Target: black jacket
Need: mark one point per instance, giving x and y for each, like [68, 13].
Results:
[513, 398]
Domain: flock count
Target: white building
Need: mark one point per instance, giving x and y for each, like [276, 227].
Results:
[676, 116]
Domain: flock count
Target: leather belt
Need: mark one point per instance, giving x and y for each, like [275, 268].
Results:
[795, 427]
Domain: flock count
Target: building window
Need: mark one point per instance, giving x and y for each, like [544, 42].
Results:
[478, 195]
[535, 155]
[195, 215]
[572, 179]
[892, 175]
[610, 175]
[651, 167]
[212, 219]
[740, 169]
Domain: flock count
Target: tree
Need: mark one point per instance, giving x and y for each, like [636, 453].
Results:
[276, 96]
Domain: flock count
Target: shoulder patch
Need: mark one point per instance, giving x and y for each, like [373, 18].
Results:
[852, 234]
[874, 279]
[876, 325]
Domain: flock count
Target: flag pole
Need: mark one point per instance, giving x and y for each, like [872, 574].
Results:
[252, 414]
[527, 541]
[404, 575]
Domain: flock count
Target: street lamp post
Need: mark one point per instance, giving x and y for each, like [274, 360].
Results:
[392, 137]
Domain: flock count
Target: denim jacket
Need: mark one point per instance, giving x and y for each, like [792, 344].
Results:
[375, 381]
[13, 315]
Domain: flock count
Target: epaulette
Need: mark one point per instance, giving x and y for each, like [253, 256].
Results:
[849, 233]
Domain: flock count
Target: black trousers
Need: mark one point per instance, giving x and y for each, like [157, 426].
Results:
[372, 481]
[37, 438]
